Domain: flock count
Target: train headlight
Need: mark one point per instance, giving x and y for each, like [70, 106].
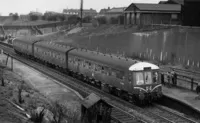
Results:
[141, 96]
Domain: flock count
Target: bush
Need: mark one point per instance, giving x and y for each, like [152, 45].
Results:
[33, 17]
[87, 19]
[74, 19]
[102, 20]
[114, 20]
[37, 117]
[15, 16]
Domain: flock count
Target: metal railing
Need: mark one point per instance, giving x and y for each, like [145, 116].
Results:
[182, 81]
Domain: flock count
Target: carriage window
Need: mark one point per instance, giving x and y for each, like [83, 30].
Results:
[155, 77]
[120, 74]
[98, 68]
[148, 78]
[102, 69]
[139, 78]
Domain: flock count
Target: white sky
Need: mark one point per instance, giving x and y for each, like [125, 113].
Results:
[25, 6]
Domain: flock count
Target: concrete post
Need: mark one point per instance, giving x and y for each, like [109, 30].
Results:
[12, 63]
[192, 82]
[127, 18]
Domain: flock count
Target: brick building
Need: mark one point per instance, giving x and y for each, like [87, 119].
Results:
[86, 12]
[147, 14]
[115, 12]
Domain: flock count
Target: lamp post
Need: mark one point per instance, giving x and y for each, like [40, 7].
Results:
[81, 9]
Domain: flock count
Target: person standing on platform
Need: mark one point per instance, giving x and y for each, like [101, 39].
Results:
[169, 79]
[198, 91]
[174, 77]
[162, 79]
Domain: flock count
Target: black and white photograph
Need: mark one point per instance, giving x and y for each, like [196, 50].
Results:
[100, 61]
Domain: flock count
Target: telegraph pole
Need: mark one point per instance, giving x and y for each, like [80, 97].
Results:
[81, 9]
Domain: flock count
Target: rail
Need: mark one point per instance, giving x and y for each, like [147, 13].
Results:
[6, 44]
[43, 25]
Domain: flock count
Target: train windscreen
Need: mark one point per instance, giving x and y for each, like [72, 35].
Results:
[146, 77]
[139, 78]
[155, 77]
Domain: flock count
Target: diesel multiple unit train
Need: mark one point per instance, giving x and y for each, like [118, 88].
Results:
[132, 80]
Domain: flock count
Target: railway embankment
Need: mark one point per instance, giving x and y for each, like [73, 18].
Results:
[38, 91]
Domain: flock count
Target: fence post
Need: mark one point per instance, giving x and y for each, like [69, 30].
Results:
[192, 82]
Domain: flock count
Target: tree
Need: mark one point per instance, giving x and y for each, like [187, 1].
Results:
[15, 16]
[102, 20]
[87, 19]
[73, 19]
[33, 17]
[10, 14]
[37, 117]
[2, 69]
[1, 76]
[59, 112]
[21, 87]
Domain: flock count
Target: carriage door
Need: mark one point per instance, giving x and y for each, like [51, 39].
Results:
[130, 81]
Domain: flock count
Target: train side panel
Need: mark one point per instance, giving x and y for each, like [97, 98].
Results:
[23, 46]
[50, 55]
[98, 71]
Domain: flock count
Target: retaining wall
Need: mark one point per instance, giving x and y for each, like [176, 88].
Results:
[175, 45]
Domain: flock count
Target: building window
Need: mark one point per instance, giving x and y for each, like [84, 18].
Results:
[174, 16]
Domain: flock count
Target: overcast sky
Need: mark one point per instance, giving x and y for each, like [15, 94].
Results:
[25, 6]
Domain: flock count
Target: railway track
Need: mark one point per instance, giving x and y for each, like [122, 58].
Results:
[123, 111]
[169, 115]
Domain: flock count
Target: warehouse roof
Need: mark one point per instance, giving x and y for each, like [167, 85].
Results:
[154, 7]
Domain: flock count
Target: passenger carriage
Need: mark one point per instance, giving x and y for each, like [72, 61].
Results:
[131, 79]
[123, 77]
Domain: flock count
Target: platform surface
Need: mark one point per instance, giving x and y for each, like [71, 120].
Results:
[183, 95]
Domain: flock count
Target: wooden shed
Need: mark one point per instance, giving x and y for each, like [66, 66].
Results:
[95, 110]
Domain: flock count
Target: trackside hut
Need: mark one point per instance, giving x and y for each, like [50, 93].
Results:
[147, 14]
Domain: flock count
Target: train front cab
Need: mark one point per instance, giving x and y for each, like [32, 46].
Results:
[146, 84]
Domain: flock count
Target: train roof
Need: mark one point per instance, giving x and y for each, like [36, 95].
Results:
[108, 60]
[140, 66]
[54, 46]
[25, 39]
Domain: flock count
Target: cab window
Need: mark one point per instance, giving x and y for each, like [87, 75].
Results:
[139, 78]
[148, 78]
[155, 77]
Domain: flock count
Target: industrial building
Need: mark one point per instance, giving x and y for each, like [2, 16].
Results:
[147, 14]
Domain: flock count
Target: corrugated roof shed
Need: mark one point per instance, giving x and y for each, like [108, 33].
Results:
[155, 7]
[159, 7]
[181, 2]
[90, 100]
